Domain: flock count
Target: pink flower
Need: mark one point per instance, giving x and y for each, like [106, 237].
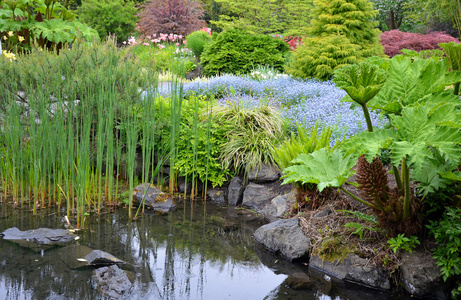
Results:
[184, 42]
[161, 46]
[145, 44]
[179, 36]
[124, 42]
[177, 44]
[206, 29]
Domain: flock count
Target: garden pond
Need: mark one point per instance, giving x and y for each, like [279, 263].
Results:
[200, 251]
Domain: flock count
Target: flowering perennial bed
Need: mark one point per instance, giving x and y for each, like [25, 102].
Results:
[302, 101]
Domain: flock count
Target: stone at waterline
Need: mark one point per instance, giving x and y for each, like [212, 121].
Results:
[78, 256]
[265, 173]
[39, 239]
[279, 207]
[112, 281]
[216, 195]
[354, 269]
[285, 237]
[155, 199]
[255, 195]
[420, 274]
[235, 191]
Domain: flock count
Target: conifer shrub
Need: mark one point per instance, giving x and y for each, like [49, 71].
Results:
[319, 57]
[342, 32]
[396, 40]
[170, 16]
[237, 52]
[116, 17]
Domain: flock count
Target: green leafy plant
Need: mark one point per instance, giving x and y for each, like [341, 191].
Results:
[414, 82]
[361, 82]
[237, 52]
[453, 57]
[201, 138]
[196, 41]
[403, 243]
[109, 17]
[46, 24]
[359, 228]
[447, 233]
[303, 142]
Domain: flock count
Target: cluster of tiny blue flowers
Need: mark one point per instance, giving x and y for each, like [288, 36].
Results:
[301, 101]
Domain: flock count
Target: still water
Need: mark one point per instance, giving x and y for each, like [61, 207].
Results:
[200, 251]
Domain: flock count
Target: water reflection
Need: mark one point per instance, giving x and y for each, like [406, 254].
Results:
[197, 252]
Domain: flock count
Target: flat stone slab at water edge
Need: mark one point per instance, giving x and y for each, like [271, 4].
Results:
[154, 198]
[38, 239]
[285, 237]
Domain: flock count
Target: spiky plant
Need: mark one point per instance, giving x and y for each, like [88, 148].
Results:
[372, 180]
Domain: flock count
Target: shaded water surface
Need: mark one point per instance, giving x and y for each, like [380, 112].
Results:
[197, 252]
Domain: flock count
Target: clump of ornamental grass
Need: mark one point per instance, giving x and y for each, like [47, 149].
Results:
[252, 134]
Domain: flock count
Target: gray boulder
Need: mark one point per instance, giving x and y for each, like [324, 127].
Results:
[235, 191]
[112, 281]
[354, 269]
[264, 173]
[216, 195]
[38, 239]
[278, 207]
[285, 237]
[255, 195]
[154, 198]
[421, 275]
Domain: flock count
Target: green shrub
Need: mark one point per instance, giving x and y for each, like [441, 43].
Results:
[236, 52]
[196, 41]
[109, 17]
[342, 32]
[319, 57]
[200, 139]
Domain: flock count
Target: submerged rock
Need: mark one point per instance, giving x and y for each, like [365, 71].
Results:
[112, 281]
[38, 239]
[78, 256]
[353, 269]
[216, 195]
[154, 198]
[285, 237]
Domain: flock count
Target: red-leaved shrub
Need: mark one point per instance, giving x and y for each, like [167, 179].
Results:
[179, 17]
[395, 40]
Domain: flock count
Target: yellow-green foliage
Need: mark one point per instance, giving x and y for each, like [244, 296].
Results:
[341, 32]
[352, 18]
[319, 57]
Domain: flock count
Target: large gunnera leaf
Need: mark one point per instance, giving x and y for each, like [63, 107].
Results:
[322, 168]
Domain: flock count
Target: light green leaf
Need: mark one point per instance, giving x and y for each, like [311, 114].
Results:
[322, 168]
